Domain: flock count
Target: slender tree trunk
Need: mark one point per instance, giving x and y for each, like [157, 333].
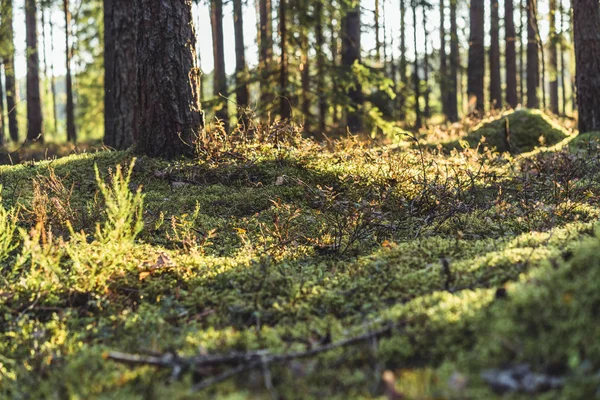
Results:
[44, 52]
[351, 47]
[403, 63]
[586, 30]
[495, 80]
[417, 79]
[241, 92]
[334, 64]
[563, 66]
[444, 76]
[220, 78]
[427, 110]
[454, 65]
[9, 72]
[71, 132]
[511, 54]
[305, 78]
[553, 55]
[120, 73]
[35, 119]
[320, 66]
[2, 129]
[285, 110]
[265, 51]
[522, 46]
[476, 68]
[53, 77]
[533, 64]
[168, 114]
[377, 35]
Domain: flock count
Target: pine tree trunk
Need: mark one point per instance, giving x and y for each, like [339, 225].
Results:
[511, 54]
[586, 30]
[120, 73]
[71, 132]
[403, 63]
[416, 78]
[265, 55]
[522, 46]
[454, 65]
[305, 78]
[476, 67]
[351, 35]
[553, 59]
[35, 119]
[320, 66]
[242, 95]
[334, 64]
[377, 35]
[219, 75]
[533, 63]
[9, 72]
[285, 111]
[167, 113]
[53, 78]
[427, 110]
[2, 129]
[495, 80]
[444, 76]
[563, 66]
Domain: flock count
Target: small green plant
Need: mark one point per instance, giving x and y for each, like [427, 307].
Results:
[8, 226]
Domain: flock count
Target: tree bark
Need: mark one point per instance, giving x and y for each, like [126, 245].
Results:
[8, 55]
[553, 59]
[476, 67]
[219, 75]
[71, 132]
[265, 55]
[351, 36]
[35, 120]
[563, 66]
[2, 128]
[495, 80]
[522, 46]
[403, 63]
[285, 109]
[586, 30]
[120, 73]
[427, 110]
[334, 65]
[377, 36]
[443, 74]
[167, 113]
[416, 78]
[53, 77]
[305, 80]
[242, 95]
[533, 63]
[320, 66]
[511, 54]
[454, 65]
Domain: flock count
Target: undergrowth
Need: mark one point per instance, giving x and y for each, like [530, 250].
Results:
[472, 260]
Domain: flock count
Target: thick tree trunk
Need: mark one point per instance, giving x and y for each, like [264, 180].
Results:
[416, 78]
[242, 95]
[320, 66]
[586, 30]
[351, 28]
[511, 54]
[265, 55]
[35, 120]
[476, 67]
[219, 75]
[533, 63]
[71, 132]
[167, 113]
[120, 73]
[285, 108]
[443, 74]
[454, 65]
[495, 80]
[553, 59]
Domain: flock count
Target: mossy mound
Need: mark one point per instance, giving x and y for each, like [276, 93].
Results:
[527, 129]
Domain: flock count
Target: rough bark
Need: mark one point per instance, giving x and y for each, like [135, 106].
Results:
[351, 37]
[35, 119]
[285, 110]
[219, 75]
[511, 54]
[454, 65]
[495, 80]
[476, 67]
[167, 113]
[553, 59]
[533, 63]
[586, 30]
[320, 66]
[242, 95]
[265, 55]
[120, 73]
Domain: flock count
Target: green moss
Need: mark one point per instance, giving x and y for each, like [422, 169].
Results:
[585, 142]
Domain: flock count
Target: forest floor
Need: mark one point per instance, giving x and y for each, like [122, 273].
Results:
[435, 267]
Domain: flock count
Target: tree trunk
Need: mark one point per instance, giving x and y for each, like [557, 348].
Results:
[320, 66]
[265, 54]
[334, 64]
[443, 60]
[242, 95]
[403, 63]
[427, 110]
[285, 110]
[351, 29]
[476, 67]
[167, 113]
[9, 72]
[120, 73]
[454, 65]
[522, 12]
[586, 30]
[563, 66]
[35, 119]
[305, 78]
[2, 129]
[377, 35]
[416, 78]
[553, 59]
[219, 76]
[495, 80]
[53, 77]
[511, 54]
[71, 132]
[533, 64]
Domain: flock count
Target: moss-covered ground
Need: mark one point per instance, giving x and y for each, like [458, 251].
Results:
[472, 260]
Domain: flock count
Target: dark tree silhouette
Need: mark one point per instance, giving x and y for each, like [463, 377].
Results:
[476, 67]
